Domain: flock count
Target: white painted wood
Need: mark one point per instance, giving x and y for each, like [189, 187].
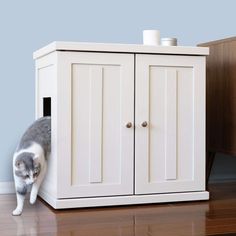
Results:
[96, 124]
[7, 187]
[63, 122]
[175, 114]
[94, 160]
[99, 93]
[121, 48]
[45, 81]
[199, 121]
[123, 200]
[46, 86]
[171, 102]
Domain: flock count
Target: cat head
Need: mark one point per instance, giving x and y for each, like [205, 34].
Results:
[27, 167]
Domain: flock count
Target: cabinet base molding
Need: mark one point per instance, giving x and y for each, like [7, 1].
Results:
[122, 200]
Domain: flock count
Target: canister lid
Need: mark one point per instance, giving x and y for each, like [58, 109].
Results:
[169, 39]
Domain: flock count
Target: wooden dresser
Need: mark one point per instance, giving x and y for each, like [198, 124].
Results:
[221, 99]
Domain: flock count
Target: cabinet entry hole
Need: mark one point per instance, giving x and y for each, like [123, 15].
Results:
[47, 106]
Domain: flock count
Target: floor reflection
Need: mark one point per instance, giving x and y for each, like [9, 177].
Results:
[214, 217]
[166, 219]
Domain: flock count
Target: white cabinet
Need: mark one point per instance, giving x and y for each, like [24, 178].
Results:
[128, 123]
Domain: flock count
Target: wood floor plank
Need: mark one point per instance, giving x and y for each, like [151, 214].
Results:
[214, 217]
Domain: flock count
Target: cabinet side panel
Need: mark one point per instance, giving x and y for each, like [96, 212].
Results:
[46, 89]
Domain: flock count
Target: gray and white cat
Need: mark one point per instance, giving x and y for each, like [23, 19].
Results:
[30, 161]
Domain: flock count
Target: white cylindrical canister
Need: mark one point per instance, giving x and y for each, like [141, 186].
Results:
[169, 41]
[151, 37]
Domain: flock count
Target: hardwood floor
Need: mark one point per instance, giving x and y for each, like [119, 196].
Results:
[214, 217]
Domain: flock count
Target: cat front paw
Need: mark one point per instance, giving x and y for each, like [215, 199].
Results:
[33, 199]
[17, 212]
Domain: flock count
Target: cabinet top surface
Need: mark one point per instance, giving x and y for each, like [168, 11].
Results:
[119, 48]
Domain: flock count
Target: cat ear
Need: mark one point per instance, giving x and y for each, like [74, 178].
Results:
[36, 156]
[37, 165]
[36, 161]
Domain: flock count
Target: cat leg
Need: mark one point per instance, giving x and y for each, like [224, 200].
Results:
[36, 185]
[20, 196]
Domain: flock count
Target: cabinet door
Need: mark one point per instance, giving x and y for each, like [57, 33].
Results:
[98, 104]
[170, 150]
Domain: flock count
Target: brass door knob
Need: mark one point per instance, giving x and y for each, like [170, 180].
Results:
[144, 124]
[129, 125]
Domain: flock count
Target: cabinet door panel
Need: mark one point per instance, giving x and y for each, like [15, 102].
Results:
[170, 151]
[102, 102]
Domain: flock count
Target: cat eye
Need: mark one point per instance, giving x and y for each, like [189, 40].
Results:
[27, 176]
